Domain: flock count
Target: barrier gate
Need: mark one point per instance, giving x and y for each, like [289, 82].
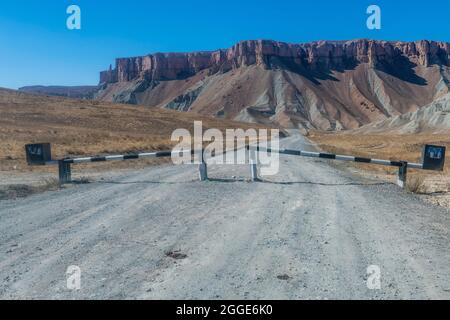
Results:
[433, 158]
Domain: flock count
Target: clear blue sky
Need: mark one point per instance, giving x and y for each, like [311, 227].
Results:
[37, 48]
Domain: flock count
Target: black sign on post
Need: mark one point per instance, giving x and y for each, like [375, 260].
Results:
[38, 153]
[433, 157]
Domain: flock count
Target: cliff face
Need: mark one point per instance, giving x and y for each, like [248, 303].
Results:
[329, 85]
[316, 55]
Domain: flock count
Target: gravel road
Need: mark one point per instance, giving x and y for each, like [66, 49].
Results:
[309, 232]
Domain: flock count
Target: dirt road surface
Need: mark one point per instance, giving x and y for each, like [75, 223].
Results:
[309, 232]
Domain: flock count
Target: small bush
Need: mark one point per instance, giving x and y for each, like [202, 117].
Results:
[50, 184]
[83, 180]
[415, 184]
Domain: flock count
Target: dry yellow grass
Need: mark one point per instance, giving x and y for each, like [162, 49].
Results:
[83, 127]
[406, 147]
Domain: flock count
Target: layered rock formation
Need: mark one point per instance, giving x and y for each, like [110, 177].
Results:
[433, 118]
[327, 84]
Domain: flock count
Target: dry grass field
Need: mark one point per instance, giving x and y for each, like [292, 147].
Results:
[84, 127]
[406, 147]
[87, 128]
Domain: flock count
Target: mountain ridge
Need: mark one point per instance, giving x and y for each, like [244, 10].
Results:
[77, 92]
[174, 65]
[325, 85]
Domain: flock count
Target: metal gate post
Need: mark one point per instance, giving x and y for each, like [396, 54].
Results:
[68, 172]
[402, 174]
[203, 169]
[253, 165]
[65, 173]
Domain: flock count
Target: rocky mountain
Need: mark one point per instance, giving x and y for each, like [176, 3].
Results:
[433, 118]
[77, 92]
[328, 85]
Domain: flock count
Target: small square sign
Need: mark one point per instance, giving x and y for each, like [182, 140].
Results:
[433, 157]
[38, 153]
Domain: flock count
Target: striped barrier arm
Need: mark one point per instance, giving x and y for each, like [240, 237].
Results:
[40, 154]
[65, 171]
[158, 154]
[65, 164]
[338, 157]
